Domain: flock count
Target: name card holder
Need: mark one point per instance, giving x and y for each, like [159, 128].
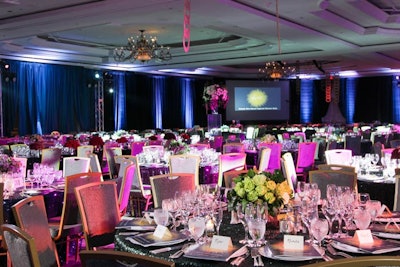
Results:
[293, 242]
[221, 242]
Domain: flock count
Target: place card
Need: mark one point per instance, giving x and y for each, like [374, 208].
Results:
[162, 231]
[221, 242]
[294, 242]
[364, 236]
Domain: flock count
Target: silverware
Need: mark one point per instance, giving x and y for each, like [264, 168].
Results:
[322, 253]
[166, 249]
[254, 255]
[260, 261]
[239, 260]
[180, 252]
[333, 251]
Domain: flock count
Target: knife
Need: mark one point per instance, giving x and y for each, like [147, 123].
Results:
[166, 249]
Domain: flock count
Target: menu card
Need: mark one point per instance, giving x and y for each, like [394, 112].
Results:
[379, 246]
[206, 252]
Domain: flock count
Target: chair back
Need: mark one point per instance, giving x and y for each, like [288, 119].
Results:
[123, 161]
[84, 151]
[230, 175]
[125, 187]
[24, 165]
[353, 142]
[93, 258]
[301, 135]
[230, 161]
[289, 170]
[306, 156]
[235, 147]
[137, 147]
[140, 193]
[217, 143]
[396, 202]
[111, 152]
[338, 156]
[321, 147]
[70, 212]
[275, 156]
[30, 215]
[98, 207]
[186, 163]
[264, 159]
[21, 246]
[339, 178]
[164, 186]
[153, 149]
[51, 157]
[15, 148]
[95, 163]
[336, 167]
[74, 165]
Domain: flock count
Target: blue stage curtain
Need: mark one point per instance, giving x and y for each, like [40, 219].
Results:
[187, 102]
[306, 100]
[119, 100]
[158, 96]
[48, 97]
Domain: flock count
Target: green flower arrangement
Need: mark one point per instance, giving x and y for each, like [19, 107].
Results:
[260, 187]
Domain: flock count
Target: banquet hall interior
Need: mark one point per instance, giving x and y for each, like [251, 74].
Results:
[122, 92]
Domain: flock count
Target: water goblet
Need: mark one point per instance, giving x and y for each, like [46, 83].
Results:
[218, 215]
[161, 217]
[197, 225]
[257, 231]
[373, 207]
[319, 229]
[241, 216]
[362, 218]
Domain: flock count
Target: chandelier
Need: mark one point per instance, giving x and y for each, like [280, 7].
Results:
[276, 70]
[142, 49]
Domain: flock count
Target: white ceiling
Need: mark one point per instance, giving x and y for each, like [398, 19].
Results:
[230, 39]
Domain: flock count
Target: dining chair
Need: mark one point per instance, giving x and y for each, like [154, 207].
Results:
[305, 158]
[84, 150]
[23, 165]
[74, 165]
[51, 157]
[275, 156]
[321, 147]
[166, 185]
[124, 189]
[16, 147]
[93, 258]
[110, 153]
[340, 178]
[137, 147]
[67, 228]
[99, 211]
[336, 167]
[200, 146]
[217, 143]
[185, 163]
[233, 148]
[353, 143]
[338, 156]
[230, 161]
[21, 247]
[95, 164]
[141, 196]
[289, 170]
[153, 149]
[301, 135]
[121, 162]
[360, 261]
[30, 215]
[265, 154]
[229, 176]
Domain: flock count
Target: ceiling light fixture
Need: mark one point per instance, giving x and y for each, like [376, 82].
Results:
[276, 70]
[142, 49]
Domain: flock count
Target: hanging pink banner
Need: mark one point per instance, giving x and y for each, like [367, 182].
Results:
[186, 26]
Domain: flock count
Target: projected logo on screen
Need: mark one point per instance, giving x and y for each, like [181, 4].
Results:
[257, 98]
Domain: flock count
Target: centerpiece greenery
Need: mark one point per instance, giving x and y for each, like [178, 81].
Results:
[215, 96]
[8, 164]
[260, 187]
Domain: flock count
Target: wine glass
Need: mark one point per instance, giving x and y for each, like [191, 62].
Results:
[257, 231]
[197, 225]
[373, 207]
[240, 214]
[171, 205]
[319, 229]
[161, 217]
[362, 218]
[218, 215]
[328, 210]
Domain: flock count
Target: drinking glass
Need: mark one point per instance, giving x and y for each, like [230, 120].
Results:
[373, 207]
[171, 205]
[362, 218]
[319, 229]
[257, 231]
[240, 214]
[161, 217]
[197, 225]
[328, 210]
[218, 215]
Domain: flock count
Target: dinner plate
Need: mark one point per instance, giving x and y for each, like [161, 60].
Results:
[149, 240]
[136, 224]
[275, 251]
[380, 246]
[205, 252]
[388, 217]
[386, 230]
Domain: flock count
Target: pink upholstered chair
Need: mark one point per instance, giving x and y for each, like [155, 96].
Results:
[230, 161]
[218, 142]
[305, 158]
[265, 154]
[275, 156]
[137, 147]
[233, 148]
[125, 188]
[289, 170]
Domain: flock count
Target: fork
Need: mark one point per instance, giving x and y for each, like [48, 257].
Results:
[333, 251]
[254, 255]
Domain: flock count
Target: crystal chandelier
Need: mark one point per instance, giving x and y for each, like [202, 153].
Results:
[142, 49]
[276, 70]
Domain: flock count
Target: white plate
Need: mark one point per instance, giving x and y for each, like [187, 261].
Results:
[385, 247]
[266, 252]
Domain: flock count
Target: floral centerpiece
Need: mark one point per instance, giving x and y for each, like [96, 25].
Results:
[260, 187]
[176, 147]
[96, 141]
[214, 97]
[8, 164]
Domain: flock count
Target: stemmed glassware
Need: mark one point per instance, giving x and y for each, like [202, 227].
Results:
[218, 214]
[308, 212]
[241, 216]
[319, 229]
[362, 218]
[329, 211]
[161, 217]
[257, 231]
[171, 205]
[197, 225]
